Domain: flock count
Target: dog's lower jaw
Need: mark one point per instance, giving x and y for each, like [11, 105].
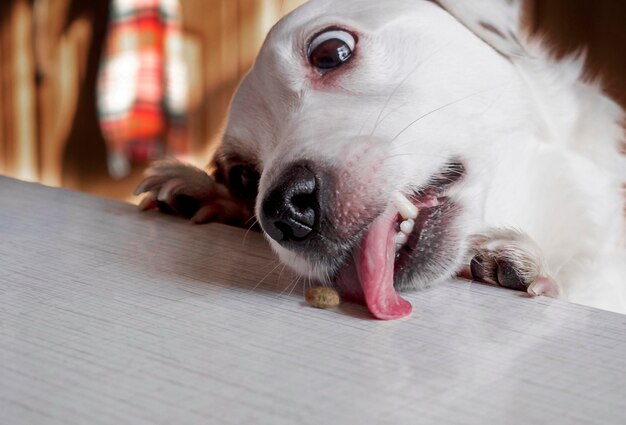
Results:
[435, 250]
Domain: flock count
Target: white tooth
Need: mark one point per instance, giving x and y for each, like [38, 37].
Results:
[407, 226]
[406, 209]
[401, 239]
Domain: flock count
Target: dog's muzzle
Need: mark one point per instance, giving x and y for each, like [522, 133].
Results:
[290, 212]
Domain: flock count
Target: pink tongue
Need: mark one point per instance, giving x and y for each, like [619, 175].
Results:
[374, 262]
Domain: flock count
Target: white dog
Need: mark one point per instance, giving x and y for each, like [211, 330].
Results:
[393, 144]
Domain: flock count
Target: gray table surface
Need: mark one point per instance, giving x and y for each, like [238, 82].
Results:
[111, 316]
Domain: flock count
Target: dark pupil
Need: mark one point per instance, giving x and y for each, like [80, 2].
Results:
[244, 181]
[330, 54]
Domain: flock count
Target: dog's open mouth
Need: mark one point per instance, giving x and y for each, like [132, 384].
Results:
[387, 245]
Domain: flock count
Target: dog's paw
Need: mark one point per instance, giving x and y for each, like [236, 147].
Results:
[510, 259]
[181, 189]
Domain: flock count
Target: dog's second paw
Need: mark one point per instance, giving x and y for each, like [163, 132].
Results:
[182, 189]
[510, 259]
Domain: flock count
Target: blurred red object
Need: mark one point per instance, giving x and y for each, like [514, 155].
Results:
[142, 84]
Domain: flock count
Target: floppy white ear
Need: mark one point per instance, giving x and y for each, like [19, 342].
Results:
[497, 22]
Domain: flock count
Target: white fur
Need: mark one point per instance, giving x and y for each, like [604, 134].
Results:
[540, 144]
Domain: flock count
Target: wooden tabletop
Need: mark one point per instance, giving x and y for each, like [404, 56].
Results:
[111, 316]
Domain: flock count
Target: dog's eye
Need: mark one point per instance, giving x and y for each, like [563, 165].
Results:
[244, 181]
[331, 49]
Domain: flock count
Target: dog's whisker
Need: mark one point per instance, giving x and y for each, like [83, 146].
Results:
[393, 93]
[292, 285]
[393, 111]
[439, 109]
[280, 275]
[249, 229]
[395, 90]
[295, 285]
[287, 287]
[420, 154]
[253, 218]
[266, 276]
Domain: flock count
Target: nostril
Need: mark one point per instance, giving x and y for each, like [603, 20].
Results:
[304, 202]
[285, 230]
[290, 211]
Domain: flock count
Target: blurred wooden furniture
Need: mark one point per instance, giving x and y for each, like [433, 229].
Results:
[18, 110]
[50, 50]
[48, 66]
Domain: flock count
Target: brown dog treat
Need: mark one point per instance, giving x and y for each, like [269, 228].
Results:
[322, 297]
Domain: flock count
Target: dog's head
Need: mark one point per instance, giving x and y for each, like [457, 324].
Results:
[357, 113]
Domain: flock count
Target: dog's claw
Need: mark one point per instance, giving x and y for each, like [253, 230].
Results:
[510, 259]
[148, 202]
[146, 185]
[204, 214]
[545, 286]
[170, 189]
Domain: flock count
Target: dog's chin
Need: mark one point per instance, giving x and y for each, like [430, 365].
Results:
[319, 271]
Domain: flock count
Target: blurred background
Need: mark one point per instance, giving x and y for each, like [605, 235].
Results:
[92, 91]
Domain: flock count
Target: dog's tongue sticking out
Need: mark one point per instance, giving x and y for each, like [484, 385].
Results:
[374, 261]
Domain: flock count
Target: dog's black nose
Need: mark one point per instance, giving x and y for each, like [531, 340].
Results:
[290, 211]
